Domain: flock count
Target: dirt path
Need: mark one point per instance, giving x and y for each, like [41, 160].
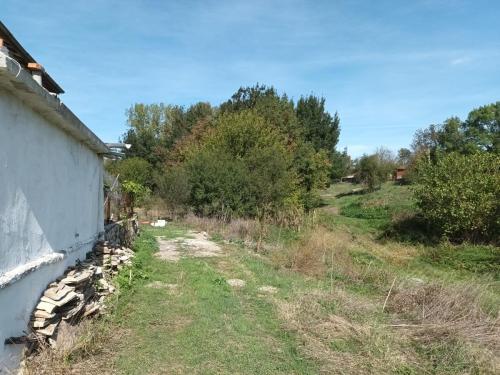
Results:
[193, 244]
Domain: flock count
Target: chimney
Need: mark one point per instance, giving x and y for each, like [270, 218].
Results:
[3, 47]
[36, 72]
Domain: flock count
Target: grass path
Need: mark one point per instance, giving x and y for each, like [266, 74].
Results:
[176, 312]
[182, 317]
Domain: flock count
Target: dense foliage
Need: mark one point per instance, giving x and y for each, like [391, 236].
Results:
[133, 169]
[257, 155]
[155, 128]
[242, 169]
[480, 132]
[459, 195]
[370, 172]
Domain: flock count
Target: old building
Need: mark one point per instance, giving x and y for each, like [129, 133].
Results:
[399, 174]
[51, 188]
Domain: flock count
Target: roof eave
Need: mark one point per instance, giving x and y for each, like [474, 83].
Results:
[52, 85]
[20, 83]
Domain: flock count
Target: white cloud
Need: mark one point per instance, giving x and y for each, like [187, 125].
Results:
[460, 60]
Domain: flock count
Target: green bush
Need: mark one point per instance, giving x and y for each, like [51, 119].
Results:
[370, 172]
[243, 169]
[459, 195]
[132, 169]
[138, 194]
[172, 185]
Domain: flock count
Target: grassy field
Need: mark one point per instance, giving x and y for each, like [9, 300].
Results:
[348, 297]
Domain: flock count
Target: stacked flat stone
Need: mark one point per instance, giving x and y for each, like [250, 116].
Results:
[80, 292]
[112, 257]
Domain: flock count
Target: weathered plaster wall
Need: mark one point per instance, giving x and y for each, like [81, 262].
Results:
[51, 209]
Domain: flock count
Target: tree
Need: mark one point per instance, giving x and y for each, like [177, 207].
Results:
[320, 128]
[278, 111]
[313, 172]
[133, 169]
[341, 165]
[479, 133]
[156, 128]
[404, 156]
[482, 128]
[137, 193]
[425, 141]
[172, 185]
[386, 162]
[459, 195]
[449, 136]
[147, 123]
[197, 112]
[249, 157]
[369, 172]
[243, 168]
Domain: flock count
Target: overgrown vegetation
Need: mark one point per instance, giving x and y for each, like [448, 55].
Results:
[344, 301]
[371, 278]
[257, 155]
[460, 196]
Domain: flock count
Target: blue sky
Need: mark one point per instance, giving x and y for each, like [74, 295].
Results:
[387, 67]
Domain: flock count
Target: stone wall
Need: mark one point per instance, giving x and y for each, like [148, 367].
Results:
[121, 233]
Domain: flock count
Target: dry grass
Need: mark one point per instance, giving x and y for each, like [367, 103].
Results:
[431, 322]
[322, 252]
[338, 344]
[435, 312]
[396, 253]
[82, 349]
[238, 229]
[319, 249]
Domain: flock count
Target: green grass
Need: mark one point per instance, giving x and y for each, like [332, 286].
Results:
[476, 259]
[204, 327]
[382, 204]
[329, 323]
[376, 215]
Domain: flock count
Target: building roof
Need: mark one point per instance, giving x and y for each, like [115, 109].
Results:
[16, 79]
[17, 52]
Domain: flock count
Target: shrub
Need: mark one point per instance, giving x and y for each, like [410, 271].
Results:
[138, 194]
[173, 186]
[132, 169]
[370, 172]
[459, 195]
[242, 169]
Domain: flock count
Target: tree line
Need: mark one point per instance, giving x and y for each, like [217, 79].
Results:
[454, 169]
[258, 154]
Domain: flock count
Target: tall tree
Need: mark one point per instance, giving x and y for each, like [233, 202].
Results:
[386, 162]
[450, 137]
[479, 133]
[277, 110]
[404, 156]
[341, 164]
[482, 128]
[320, 128]
[369, 171]
[154, 129]
[145, 130]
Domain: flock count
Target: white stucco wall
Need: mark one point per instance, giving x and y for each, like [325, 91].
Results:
[51, 209]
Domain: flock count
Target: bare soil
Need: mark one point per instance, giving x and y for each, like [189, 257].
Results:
[195, 244]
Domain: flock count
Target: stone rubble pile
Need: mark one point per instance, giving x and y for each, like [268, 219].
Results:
[80, 292]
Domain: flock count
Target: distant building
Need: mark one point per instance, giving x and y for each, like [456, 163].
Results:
[349, 178]
[399, 174]
[51, 189]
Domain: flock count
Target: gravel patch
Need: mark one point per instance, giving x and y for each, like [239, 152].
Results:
[236, 283]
